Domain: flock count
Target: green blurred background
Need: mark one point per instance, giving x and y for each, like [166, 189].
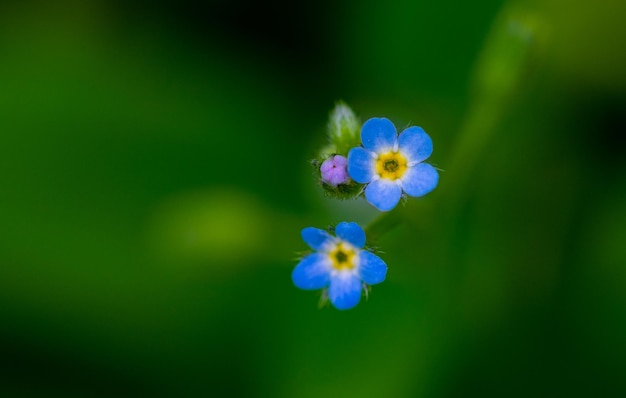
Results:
[154, 180]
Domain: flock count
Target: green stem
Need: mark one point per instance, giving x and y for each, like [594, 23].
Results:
[383, 224]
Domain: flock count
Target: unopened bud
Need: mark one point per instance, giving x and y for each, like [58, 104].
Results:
[344, 129]
[334, 170]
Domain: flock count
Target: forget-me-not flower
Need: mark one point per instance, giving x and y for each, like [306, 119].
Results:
[339, 263]
[391, 165]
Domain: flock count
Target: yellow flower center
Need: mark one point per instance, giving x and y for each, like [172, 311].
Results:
[342, 257]
[391, 165]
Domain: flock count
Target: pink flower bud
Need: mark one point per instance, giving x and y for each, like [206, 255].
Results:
[334, 170]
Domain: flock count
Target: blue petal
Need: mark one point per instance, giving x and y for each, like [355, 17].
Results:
[313, 272]
[378, 134]
[420, 179]
[383, 194]
[372, 269]
[415, 144]
[361, 165]
[351, 232]
[315, 237]
[345, 291]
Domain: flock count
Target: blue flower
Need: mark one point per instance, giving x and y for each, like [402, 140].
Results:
[391, 165]
[339, 263]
